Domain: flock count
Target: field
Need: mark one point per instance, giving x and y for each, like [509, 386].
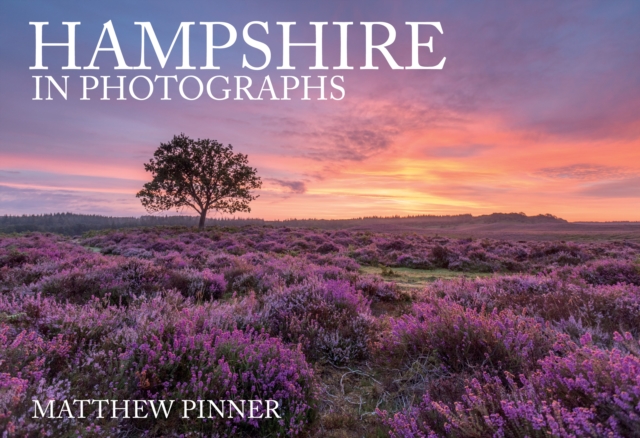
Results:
[355, 332]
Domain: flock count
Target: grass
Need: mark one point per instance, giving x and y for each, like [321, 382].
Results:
[418, 278]
[347, 399]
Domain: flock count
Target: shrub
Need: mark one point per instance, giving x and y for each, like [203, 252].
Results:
[378, 289]
[588, 392]
[327, 247]
[611, 272]
[336, 260]
[367, 255]
[607, 382]
[459, 338]
[440, 256]
[491, 408]
[410, 261]
[121, 279]
[221, 365]
[201, 284]
[160, 348]
[329, 318]
[605, 308]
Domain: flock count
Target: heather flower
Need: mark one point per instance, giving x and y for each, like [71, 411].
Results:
[221, 365]
[378, 289]
[611, 272]
[329, 318]
[460, 338]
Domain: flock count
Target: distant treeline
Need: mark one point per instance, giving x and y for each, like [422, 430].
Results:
[76, 224]
[428, 219]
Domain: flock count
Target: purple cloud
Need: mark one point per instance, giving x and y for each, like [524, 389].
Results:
[297, 187]
[585, 172]
[458, 151]
[626, 188]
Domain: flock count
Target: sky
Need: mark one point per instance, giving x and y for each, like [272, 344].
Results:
[536, 109]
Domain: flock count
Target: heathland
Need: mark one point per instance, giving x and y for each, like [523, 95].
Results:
[514, 226]
[498, 325]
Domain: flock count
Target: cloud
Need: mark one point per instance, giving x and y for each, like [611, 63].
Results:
[35, 201]
[457, 151]
[345, 138]
[475, 192]
[358, 144]
[626, 188]
[360, 129]
[585, 172]
[297, 187]
[64, 181]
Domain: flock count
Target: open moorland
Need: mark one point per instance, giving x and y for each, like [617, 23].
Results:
[416, 333]
[513, 226]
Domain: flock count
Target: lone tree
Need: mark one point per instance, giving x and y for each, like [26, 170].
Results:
[201, 174]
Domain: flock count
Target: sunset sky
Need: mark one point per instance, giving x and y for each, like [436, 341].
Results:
[537, 109]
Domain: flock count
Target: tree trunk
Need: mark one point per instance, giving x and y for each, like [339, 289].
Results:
[203, 218]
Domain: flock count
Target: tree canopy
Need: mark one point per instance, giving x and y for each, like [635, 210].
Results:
[200, 174]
